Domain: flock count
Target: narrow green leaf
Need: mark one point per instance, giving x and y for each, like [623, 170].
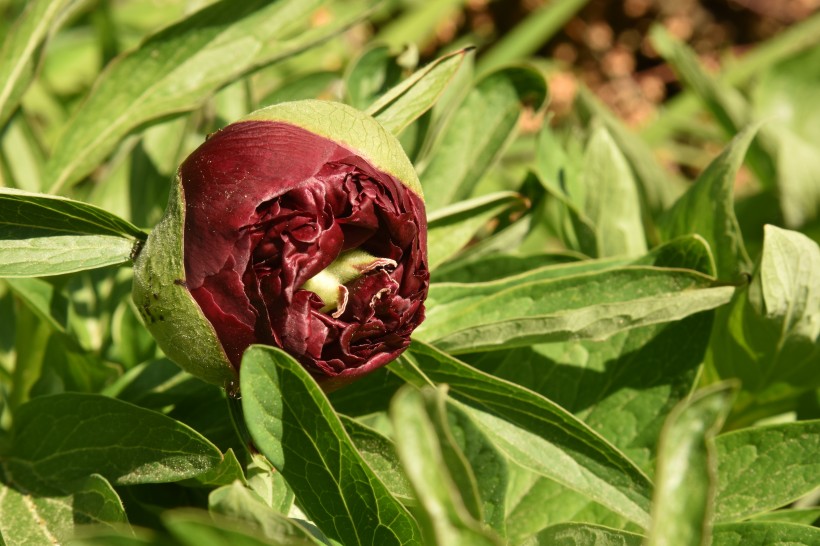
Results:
[40, 256]
[407, 101]
[498, 266]
[449, 229]
[530, 34]
[240, 503]
[683, 502]
[28, 519]
[752, 533]
[538, 434]
[583, 534]
[26, 215]
[763, 468]
[21, 49]
[176, 69]
[724, 102]
[612, 203]
[770, 337]
[478, 133]
[592, 306]
[708, 209]
[800, 516]
[69, 436]
[448, 520]
[294, 425]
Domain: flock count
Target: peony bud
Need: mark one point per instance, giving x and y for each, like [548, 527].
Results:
[301, 226]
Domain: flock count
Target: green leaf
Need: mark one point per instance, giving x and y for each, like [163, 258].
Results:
[447, 520]
[65, 437]
[536, 502]
[479, 131]
[658, 188]
[491, 316]
[294, 425]
[582, 534]
[724, 102]
[801, 516]
[21, 49]
[25, 215]
[197, 527]
[370, 75]
[537, 433]
[497, 266]
[240, 503]
[33, 520]
[752, 533]
[612, 203]
[707, 209]
[621, 387]
[407, 101]
[769, 338]
[763, 468]
[58, 254]
[176, 69]
[449, 229]
[226, 472]
[380, 455]
[684, 483]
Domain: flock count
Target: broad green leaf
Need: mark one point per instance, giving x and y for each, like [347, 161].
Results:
[770, 338]
[763, 468]
[28, 519]
[226, 472]
[294, 425]
[380, 455]
[798, 175]
[65, 437]
[584, 306]
[446, 518]
[478, 133]
[240, 503]
[612, 204]
[683, 501]
[530, 34]
[407, 101]
[538, 434]
[707, 209]
[449, 229]
[269, 484]
[658, 188]
[751, 533]
[621, 387]
[176, 69]
[535, 502]
[584, 534]
[21, 49]
[196, 528]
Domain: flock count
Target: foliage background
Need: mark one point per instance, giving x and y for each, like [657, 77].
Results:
[621, 344]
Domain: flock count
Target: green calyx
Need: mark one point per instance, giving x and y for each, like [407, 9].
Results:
[166, 306]
[352, 129]
[329, 284]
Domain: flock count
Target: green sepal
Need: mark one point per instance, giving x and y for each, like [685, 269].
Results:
[351, 128]
[167, 307]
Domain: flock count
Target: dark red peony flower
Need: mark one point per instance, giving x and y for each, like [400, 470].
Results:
[301, 226]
